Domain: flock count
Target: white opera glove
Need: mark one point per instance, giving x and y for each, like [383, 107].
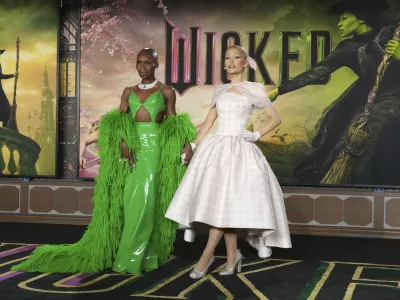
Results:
[250, 136]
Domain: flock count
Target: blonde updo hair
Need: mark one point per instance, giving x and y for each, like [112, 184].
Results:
[240, 49]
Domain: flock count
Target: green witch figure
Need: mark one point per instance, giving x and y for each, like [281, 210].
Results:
[141, 147]
[364, 46]
[4, 103]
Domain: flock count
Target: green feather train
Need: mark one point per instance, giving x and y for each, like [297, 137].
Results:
[174, 133]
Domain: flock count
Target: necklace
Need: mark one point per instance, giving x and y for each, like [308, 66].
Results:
[147, 86]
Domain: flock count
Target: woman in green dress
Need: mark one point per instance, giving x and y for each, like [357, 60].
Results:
[149, 103]
[140, 168]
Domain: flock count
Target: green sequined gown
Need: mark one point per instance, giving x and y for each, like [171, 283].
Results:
[135, 252]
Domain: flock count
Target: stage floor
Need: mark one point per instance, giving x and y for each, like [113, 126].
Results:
[327, 268]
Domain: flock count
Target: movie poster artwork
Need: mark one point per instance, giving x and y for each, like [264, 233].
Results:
[28, 87]
[322, 57]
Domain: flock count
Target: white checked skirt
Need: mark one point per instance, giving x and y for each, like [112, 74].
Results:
[229, 184]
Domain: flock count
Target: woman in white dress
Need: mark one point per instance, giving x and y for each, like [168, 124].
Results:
[229, 184]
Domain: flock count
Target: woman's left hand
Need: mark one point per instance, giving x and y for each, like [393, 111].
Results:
[250, 136]
[393, 49]
[187, 154]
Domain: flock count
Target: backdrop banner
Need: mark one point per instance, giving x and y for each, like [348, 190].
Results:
[322, 55]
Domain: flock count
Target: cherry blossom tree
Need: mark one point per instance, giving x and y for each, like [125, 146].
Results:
[104, 22]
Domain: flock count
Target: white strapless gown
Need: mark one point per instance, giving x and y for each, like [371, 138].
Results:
[229, 183]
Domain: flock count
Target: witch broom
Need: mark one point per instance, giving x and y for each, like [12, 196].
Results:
[12, 122]
[358, 132]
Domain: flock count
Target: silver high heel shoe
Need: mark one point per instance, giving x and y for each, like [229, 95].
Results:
[236, 265]
[196, 274]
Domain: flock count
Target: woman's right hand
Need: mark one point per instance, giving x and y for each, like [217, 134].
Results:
[128, 155]
[272, 95]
